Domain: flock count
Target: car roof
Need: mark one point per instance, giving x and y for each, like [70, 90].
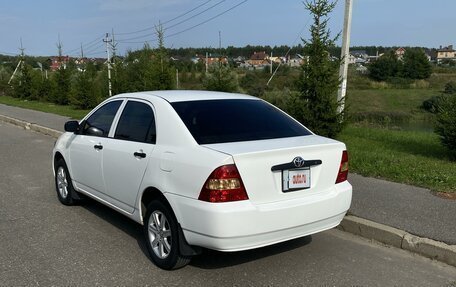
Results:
[173, 96]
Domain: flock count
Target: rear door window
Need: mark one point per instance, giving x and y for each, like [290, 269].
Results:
[221, 121]
[137, 123]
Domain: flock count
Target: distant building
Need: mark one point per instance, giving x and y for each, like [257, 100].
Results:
[359, 54]
[211, 59]
[259, 59]
[57, 62]
[446, 54]
[400, 53]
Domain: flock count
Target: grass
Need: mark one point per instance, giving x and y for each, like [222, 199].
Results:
[412, 157]
[392, 100]
[67, 111]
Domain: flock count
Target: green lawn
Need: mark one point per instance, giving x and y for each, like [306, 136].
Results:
[411, 157]
[68, 111]
[388, 100]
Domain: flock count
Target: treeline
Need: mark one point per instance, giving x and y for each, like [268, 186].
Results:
[230, 51]
[85, 85]
[412, 65]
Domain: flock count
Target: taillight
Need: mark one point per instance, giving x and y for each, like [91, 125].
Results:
[223, 185]
[343, 169]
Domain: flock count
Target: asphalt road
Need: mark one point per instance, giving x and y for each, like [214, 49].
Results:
[45, 243]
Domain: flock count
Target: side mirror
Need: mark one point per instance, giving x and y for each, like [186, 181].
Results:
[93, 131]
[71, 126]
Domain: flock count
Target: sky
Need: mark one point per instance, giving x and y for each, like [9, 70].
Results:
[197, 23]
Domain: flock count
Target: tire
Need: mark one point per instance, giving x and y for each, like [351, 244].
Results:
[162, 237]
[63, 184]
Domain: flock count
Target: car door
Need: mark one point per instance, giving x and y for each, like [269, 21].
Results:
[126, 155]
[86, 149]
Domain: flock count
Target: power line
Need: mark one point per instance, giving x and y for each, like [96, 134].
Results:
[166, 22]
[288, 52]
[86, 45]
[190, 28]
[88, 51]
[174, 25]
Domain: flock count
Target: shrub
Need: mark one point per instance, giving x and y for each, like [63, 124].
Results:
[430, 105]
[446, 121]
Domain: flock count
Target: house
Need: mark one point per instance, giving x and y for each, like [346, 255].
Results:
[259, 59]
[400, 53]
[360, 54]
[446, 54]
[210, 59]
[296, 61]
[59, 61]
[351, 59]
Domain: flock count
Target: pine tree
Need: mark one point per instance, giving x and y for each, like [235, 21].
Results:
[316, 105]
[62, 86]
[221, 78]
[85, 92]
[416, 65]
[22, 84]
[161, 74]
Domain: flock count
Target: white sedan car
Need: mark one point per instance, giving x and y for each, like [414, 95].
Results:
[205, 169]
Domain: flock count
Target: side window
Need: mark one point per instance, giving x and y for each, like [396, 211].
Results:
[102, 118]
[137, 123]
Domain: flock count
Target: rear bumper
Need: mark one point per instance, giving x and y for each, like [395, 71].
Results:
[241, 225]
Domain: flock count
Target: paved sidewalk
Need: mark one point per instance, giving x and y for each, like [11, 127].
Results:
[43, 119]
[413, 209]
[408, 208]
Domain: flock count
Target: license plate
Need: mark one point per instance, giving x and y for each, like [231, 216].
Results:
[295, 179]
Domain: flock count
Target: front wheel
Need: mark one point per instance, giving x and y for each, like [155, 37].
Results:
[160, 230]
[63, 185]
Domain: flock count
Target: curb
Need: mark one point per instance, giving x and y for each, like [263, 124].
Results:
[362, 227]
[31, 126]
[400, 239]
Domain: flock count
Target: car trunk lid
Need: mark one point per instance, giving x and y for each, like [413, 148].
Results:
[273, 170]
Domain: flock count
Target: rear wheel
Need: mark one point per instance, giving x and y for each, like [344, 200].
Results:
[160, 230]
[63, 185]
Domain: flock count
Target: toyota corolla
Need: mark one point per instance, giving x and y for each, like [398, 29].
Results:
[198, 169]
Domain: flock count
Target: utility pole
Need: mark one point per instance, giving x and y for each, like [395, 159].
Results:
[108, 61]
[345, 56]
[114, 48]
[271, 64]
[177, 79]
[206, 63]
[220, 48]
[82, 52]
[21, 61]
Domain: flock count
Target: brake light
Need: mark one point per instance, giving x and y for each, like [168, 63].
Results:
[223, 185]
[343, 169]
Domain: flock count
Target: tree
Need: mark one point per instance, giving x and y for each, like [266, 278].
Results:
[85, 91]
[385, 67]
[446, 121]
[416, 65]
[161, 74]
[221, 78]
[22, 84]
[316, 104]
[62, 86]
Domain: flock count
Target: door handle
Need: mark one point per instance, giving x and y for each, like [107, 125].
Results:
[98, 147]
[139, 154]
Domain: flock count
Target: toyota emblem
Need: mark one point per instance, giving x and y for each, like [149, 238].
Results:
[298, 161]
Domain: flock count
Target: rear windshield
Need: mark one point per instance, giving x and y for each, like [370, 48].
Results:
[222, 121]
